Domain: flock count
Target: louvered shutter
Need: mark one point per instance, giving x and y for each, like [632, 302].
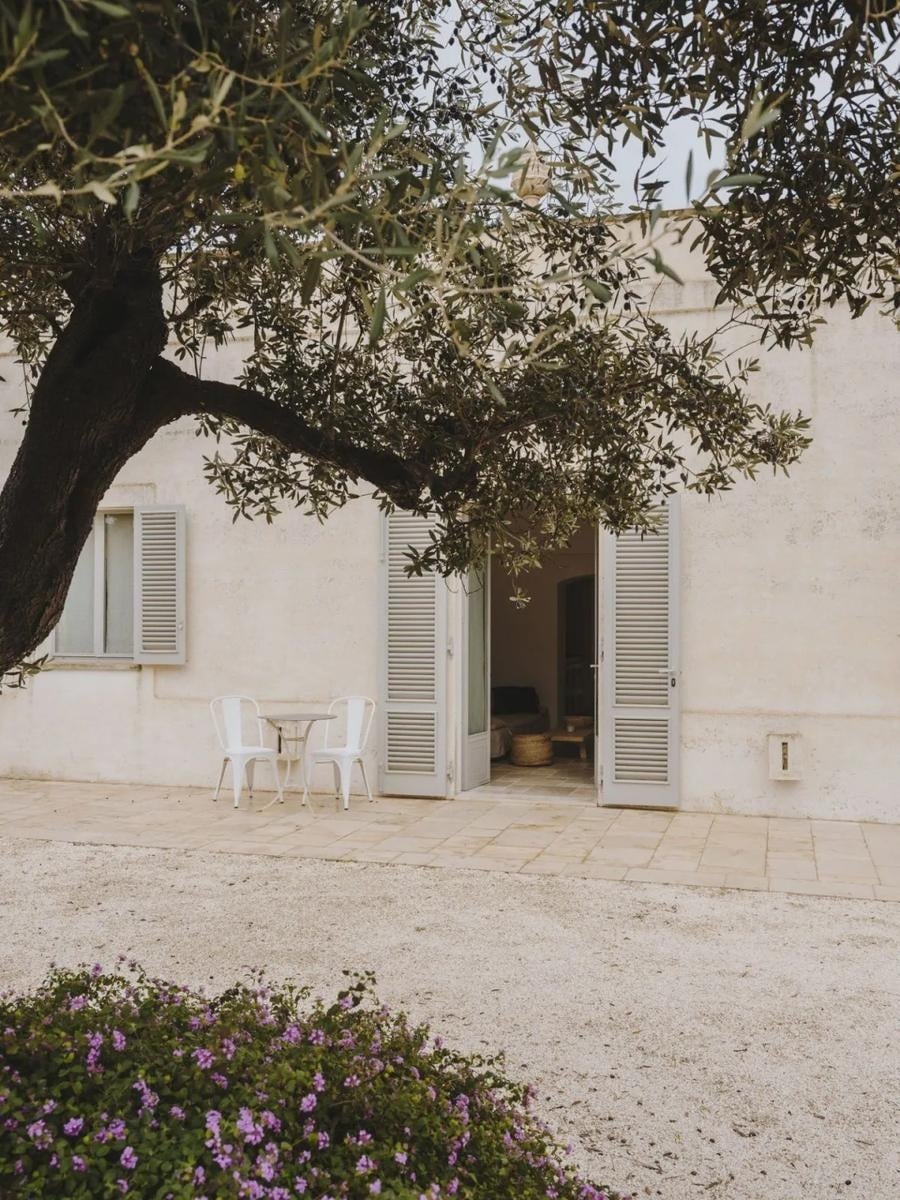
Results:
[640, 711]
[159, 584]
[413, 638]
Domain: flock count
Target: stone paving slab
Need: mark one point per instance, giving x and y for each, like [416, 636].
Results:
[517, 834]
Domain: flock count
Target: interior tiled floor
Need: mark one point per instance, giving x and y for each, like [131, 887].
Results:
[564, 779]
[525, 834]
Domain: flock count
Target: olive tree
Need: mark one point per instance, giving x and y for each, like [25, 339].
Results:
[406, 211]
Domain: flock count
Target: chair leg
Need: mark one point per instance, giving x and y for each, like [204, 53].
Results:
[251, 767]
[362, 767]
[278, 785]
[336, 771]
[237, 779]
[221, 777]
[346, 772]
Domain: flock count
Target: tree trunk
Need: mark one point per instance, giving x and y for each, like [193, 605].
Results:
[93, 408]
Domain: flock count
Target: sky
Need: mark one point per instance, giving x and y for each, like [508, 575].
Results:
[681, 138]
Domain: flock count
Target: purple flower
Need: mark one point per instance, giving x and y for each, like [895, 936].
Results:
[78, 1163]
[319, 1081]
[73, 1126]
[177, 1112]
[149, 1098]
[128, 1159]
[375, 1187]
[122, 1185]
[308, 1103]
[346, 1002]
[364, 1164]
[76, 1003]
[248, 1127]
[351, 1081]
[39, 1133]
[401, 1157]
[323, 1141]
[203, 1058]
[118, 1040]
[199, 1175]
[218, 1079]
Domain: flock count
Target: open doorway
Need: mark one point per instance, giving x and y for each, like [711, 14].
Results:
[542, 690]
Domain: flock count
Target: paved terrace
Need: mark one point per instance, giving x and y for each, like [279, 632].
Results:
[827, 858]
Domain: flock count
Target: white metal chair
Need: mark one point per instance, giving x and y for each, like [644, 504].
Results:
[228, 718]
[358, 712]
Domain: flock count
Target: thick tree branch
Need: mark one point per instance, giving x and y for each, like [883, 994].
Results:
[401, 479]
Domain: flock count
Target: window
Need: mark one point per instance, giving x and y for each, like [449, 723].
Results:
[98, 619]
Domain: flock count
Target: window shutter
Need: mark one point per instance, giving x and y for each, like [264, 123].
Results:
[640, 665]
[159, 584]
[413, 640]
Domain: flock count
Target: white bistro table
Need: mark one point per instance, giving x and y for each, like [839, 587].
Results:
[293, 729]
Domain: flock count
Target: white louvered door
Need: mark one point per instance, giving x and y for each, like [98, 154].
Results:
[641, 684]
[413, 641]
[159, 584]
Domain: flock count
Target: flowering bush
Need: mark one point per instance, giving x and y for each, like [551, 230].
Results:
[113, 1084]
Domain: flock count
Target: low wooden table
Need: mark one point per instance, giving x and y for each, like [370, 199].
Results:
[578, 737]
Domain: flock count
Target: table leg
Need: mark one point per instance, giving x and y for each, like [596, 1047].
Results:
[304, 766]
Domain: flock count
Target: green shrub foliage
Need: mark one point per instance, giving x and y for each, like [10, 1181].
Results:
[115, 1084]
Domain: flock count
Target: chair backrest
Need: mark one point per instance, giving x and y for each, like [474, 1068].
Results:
[356, 725]
[228, 714]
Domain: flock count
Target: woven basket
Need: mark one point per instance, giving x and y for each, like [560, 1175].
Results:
[531, 750]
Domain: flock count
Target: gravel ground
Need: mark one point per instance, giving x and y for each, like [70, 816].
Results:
[691, 1043]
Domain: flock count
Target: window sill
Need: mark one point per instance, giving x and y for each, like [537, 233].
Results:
[91, 664]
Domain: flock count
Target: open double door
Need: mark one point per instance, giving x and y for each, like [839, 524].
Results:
[435, 669]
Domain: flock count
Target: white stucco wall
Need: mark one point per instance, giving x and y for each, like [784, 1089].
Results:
[790, 607]
[284, 612]
[791, 598]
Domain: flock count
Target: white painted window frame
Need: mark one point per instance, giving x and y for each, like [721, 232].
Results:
[99, 531]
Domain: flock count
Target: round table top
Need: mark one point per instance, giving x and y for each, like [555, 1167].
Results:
[277, 718]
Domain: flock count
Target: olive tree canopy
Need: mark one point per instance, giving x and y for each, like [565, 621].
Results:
[409, 206]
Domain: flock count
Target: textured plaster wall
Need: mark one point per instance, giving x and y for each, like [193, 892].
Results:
[284, 612]
[791, 599]
[790, 602]
[790, 594]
